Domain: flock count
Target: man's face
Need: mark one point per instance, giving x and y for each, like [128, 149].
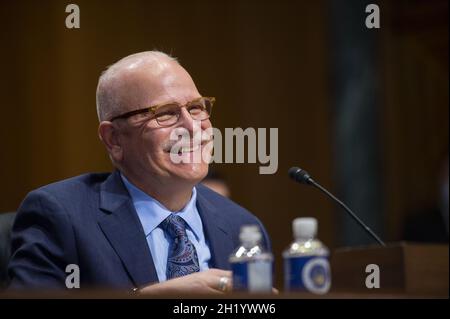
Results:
[146, 145]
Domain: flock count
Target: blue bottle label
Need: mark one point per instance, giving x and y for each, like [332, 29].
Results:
[254, 276]
[307, 273]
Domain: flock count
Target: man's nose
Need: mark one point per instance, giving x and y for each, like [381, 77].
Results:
[186, 120]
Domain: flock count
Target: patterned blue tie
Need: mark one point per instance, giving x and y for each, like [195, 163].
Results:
[182, 258]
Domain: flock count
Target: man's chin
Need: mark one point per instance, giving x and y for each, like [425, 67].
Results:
[189, 172]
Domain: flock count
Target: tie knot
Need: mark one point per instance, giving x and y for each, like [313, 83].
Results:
[175, 226]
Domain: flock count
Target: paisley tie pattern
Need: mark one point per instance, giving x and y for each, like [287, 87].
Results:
[182, 258]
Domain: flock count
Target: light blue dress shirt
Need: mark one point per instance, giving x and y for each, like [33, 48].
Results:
[151, 213]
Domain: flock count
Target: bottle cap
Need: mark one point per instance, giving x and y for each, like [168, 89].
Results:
[304, 227]
[250, 233]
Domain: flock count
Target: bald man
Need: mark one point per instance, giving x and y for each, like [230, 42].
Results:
[149, 226]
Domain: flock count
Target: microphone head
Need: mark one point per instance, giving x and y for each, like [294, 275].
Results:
[299, 175]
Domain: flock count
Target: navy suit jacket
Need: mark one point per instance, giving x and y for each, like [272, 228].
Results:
[90, 221]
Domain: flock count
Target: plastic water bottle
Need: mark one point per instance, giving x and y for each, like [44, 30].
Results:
[250, 263]
[306, 260]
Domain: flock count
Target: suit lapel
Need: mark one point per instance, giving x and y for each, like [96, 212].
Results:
[122, 227]
[216, 231]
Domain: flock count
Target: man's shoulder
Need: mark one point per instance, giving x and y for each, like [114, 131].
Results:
[73, 188]
[231, 213]
[223, 203]
[88, 180]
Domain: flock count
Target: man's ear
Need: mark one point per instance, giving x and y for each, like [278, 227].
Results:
[109, 135]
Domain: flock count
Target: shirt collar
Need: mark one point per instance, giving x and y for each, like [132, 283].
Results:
[151, 212]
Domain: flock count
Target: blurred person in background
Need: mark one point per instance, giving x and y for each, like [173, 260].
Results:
[215, 181]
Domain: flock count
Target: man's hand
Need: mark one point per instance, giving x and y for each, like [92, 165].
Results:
[205, 282]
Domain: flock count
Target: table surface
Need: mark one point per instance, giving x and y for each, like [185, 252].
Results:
[108, 294]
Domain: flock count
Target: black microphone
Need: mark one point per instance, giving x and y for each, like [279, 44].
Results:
[301, 176]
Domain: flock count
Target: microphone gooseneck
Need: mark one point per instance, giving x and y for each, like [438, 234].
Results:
[301, 176]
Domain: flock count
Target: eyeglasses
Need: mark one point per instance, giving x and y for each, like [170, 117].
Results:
[168, 114]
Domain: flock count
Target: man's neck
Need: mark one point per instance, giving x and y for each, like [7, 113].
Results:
[173, 197]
